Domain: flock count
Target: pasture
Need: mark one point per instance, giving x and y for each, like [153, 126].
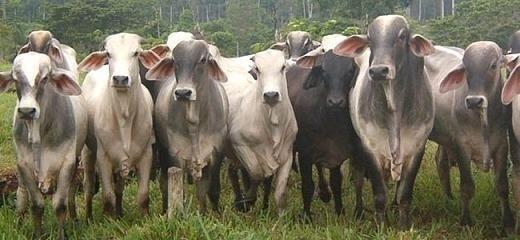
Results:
[434, 217]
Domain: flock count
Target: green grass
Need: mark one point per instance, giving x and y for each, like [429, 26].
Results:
[434, 217]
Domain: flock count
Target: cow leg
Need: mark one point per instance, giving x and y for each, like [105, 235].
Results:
[251, 195]
[164, 161]
[280, 191]
[358, 174]
[119, 187]
[235, 184]
[323, 185]
[71, 199]
[375, 174]
[89, 179]
[214, 189]
[143, 171]
[109, 197]
[336, 180]
[22, 201]
[267, 192]
[295, 164]
[307, 185]
[502, 187]
[405, 191]
[35, 196]
[443, 169]
[59, 200]
[515, 159]
[245, 178]
[467, 185]
[202, 186]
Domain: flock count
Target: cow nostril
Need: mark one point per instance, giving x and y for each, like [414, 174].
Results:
[384, 70]
[27, 111]
[271, 95]
[474, 102]
[120, 80]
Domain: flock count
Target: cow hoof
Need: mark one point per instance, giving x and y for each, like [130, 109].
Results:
[340, 211]
[509, 224]
[466, 221]
[324, 194]
[358, 213]
[306, 217]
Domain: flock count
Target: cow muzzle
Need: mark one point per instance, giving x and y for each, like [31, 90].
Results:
[336, 103]
[272, 97]
[184, 94]
[28, 108]
[381, 72]
[120, 82]
[475, 102]
[27, 113]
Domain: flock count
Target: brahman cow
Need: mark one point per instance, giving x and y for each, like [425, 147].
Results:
[262, 128]
[191, 115]
[49, 129]
[120, 132]
[391, 105]
[470, 121]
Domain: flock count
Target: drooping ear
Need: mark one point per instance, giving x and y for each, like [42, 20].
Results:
[316, 44]
[148, 58]
[5, 79]
[352, 46]
[311, 59]
[215, 72]
[279, 46]
[64, 83]
[253, 73]
[162, 70]
[93, 61]
[511, 60]
[453, 80]
[161, 50]
[55, 52]
[314, 78]
[421, 46]
[25, 48]
[512, 86]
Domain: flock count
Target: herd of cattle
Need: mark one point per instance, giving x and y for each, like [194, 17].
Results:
[374, 99]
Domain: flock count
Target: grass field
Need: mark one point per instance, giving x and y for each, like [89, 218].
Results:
[434, 217]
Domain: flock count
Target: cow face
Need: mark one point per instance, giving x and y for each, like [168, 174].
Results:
[334, 72]
[512, 86]
[480, 70]
[191, 64]
[269, 69]
[30, 73]
[43, 42]
[389, 41]
[122, 53]
[298, 43]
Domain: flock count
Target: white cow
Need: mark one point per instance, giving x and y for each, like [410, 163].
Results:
[120, 109]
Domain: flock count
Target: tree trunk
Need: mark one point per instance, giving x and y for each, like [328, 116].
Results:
[4, 9]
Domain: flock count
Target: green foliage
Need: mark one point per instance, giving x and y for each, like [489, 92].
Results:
[225, 42]
[319, 29]
[476, 20]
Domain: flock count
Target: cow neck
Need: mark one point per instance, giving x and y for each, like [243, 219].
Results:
[124, 106]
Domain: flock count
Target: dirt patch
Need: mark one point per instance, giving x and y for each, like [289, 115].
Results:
[8, 182]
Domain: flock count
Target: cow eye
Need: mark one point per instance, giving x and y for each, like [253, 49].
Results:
[494, 66]
[283, 68]
[108, 55]
[203, 60]
[136, 53]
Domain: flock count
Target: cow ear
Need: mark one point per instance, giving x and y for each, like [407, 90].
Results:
[421, 46]
[511, 60]
[316, 44]
[5, 79]
[512, 86]
[453, 80]
[279, 46]
[254, 73]
[311, 59]
[149, 58]
[352, 46]
[162, 70]
[64, 83]
[314, 78]
[161, 50]
[55, 52]
[93, 61]
[25, 48]
[215, 71]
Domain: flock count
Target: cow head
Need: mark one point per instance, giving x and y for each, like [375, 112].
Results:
[334, 72]
[480, 70]
[122, 52]
[43, 42]
[191, 64]
[177, 37]
[31, 72]
[298, 43]
[390, 41]
[269, 70]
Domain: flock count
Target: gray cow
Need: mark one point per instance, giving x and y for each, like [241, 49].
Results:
[298, 43]
[391, 107]
[62, 56]
[49, 132]
[470, 121]
[191, 115]
[120, 134]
